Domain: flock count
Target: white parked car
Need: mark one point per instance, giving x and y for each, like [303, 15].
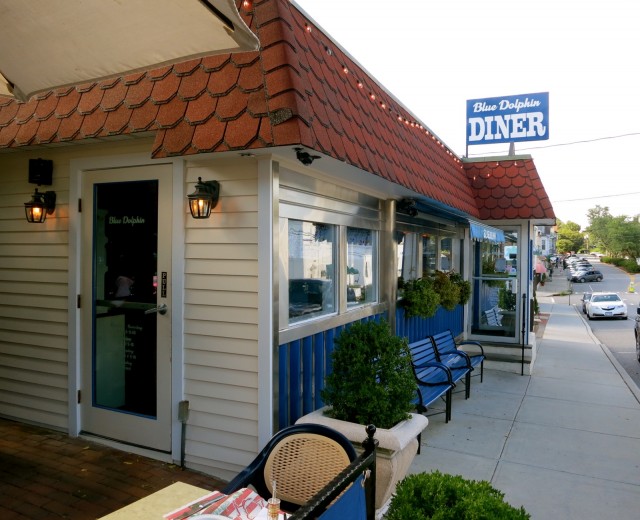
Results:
[606, 305]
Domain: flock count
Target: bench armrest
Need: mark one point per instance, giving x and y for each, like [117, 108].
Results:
[463, 355]
[434, 364]
[473, 343]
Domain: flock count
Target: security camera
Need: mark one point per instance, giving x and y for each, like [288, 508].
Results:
[305, 157]
[408, 207]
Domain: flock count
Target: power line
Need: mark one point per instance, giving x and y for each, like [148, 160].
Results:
[584, 141]
[595, 139]
[598, 197]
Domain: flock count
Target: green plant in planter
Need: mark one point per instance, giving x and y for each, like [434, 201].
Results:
[447, 497]
[420, 298]
[463, 285]
[447, 289]
[372, 381]
[506, 299]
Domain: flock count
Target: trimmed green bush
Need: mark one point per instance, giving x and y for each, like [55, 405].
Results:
[463, 285]
[420, 298]
[447, 289]
[440, 496]
[628, 264]
[372, 380]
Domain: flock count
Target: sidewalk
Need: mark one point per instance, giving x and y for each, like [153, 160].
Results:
[563, 442]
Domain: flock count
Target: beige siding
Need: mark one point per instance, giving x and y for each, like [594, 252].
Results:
[33, 298]
[34, 276]
[221, 305]
[221, 322]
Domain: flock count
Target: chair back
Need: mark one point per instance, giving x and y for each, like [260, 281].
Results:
[302, 464]
[302, 459]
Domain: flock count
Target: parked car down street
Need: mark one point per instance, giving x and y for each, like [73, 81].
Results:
[585, 299]
[636, 331]
[590, 275]
[606, 305]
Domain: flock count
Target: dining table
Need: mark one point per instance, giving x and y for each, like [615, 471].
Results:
[181, 501]
[155, 505]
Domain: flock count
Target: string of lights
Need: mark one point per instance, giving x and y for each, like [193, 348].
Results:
[370, 92]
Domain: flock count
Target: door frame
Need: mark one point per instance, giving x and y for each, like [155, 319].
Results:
[76, 169]
[522, 279]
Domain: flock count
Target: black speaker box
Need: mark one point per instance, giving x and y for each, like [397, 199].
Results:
[41, 172]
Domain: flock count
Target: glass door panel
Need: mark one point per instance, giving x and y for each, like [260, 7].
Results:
[126, 324]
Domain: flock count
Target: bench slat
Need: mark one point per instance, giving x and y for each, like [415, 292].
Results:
[433, 378]
[449, 352]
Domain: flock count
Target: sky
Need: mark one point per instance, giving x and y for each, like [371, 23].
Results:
[433, 56]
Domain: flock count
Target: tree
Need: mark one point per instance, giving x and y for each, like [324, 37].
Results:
[570, 238]
[624, 236]
[619, 236]
[599, 219]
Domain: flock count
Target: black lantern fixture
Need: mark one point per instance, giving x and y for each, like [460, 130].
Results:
[204, 199]
[41, 205]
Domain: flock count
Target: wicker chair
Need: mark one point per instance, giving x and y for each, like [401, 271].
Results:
[302, 459]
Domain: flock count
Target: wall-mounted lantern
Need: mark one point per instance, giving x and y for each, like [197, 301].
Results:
[41, 204]
[204, 199]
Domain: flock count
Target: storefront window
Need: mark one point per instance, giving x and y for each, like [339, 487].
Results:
[361, 267]
[446, 254]
[311, 273]
[429, 255]
[401, 257]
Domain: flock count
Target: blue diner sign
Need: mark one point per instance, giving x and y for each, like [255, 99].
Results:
[486, 233]
[508, 119]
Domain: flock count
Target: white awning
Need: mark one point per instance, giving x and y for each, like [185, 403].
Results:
[46, 44]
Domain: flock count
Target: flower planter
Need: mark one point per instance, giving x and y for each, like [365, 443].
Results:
[396, 449]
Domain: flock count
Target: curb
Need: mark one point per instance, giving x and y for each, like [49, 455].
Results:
[631, 384]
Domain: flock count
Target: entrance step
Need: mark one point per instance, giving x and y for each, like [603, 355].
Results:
[509, 357]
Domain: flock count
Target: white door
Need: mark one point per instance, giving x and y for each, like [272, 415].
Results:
[126, 290]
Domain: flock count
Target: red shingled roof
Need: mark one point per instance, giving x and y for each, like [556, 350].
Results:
[509, 189]
[298, 89]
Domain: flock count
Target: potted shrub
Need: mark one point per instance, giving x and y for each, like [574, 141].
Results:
[419, 297]
[372, 382]
[438, 495]
[463, 285]
[447, 289]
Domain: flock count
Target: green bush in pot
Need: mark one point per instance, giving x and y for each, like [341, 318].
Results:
[419, 297]
[372, 380]
[448, 290]
[440, 496]
[463, 285]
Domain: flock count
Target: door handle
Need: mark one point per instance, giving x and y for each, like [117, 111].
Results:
[160, 309]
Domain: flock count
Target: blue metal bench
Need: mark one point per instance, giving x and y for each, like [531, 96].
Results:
[450, 354]
[434, 379]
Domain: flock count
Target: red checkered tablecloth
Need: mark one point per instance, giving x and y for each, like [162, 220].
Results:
[244, 504]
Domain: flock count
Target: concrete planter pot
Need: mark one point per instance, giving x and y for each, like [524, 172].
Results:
[396, 450]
